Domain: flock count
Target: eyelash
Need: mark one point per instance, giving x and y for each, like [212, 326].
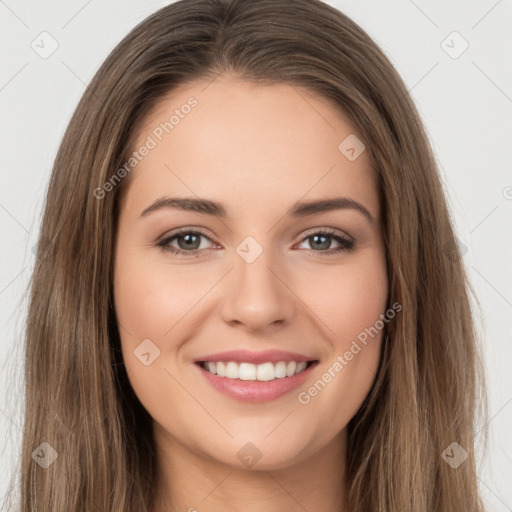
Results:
[347, 245]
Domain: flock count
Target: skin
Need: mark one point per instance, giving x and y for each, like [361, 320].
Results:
[257, 150]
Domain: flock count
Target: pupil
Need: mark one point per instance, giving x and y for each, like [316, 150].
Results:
[324, 245]
[189, 242]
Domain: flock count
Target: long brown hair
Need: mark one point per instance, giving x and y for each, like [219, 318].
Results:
[78, 399]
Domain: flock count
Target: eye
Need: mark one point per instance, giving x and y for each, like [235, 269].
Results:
[189, 242]
[321, 240]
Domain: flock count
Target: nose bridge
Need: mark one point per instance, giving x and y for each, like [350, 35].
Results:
[257, 296]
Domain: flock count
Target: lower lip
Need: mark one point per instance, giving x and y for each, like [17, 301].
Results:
[255, 391]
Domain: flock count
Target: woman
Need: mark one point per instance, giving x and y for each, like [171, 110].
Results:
[248, 294]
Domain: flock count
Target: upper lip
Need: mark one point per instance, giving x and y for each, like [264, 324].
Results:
[246, 356]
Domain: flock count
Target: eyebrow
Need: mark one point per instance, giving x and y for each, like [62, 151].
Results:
[299, 209]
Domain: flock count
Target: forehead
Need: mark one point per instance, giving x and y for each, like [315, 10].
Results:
[242, 144]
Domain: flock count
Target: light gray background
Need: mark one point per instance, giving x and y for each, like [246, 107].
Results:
[465, 102]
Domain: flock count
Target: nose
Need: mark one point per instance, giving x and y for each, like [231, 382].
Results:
[258, 295]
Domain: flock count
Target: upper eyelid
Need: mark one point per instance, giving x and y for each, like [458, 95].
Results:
[329, 231]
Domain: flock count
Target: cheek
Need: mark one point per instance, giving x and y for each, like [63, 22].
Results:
[351, 306]
[151, 304]
[347, 299]
[150, 298]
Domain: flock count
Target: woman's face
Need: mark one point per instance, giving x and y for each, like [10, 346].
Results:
[271, 277]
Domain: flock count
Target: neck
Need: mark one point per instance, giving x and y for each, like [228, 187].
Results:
[191, 482]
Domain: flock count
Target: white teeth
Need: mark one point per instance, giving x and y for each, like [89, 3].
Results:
[290, 368]
[262, 372]
[265, 372]
[232, 370]
[280, 370]
[221, 369]
[246, 371]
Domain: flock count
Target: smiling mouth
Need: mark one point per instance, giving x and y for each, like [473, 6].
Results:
[264, 372]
